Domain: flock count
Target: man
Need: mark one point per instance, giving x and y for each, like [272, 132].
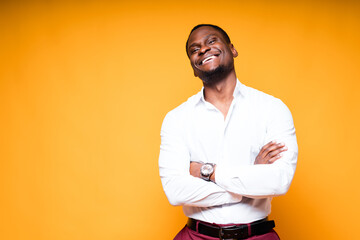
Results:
[226, 151]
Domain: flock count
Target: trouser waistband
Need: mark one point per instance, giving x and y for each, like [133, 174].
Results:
[241, 231]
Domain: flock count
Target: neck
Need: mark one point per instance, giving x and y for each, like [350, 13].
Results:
[221, 91]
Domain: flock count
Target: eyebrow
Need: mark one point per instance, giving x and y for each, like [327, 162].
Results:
[206, 37]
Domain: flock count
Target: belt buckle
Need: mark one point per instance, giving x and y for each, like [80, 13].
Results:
[240, 234]
[221, 234]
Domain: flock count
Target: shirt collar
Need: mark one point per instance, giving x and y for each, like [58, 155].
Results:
[239, 90]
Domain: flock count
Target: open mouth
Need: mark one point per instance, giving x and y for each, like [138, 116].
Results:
[207, 59]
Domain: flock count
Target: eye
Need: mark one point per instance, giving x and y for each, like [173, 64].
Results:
[194, 50]
[212, 40]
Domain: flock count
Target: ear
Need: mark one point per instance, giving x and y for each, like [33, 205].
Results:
[233, 50]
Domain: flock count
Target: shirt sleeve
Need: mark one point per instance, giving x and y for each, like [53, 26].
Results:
[174, 162]
[265, 180]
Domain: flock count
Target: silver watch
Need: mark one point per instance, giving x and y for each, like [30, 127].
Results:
[206, 170]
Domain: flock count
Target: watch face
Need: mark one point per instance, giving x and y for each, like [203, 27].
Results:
[206, 170]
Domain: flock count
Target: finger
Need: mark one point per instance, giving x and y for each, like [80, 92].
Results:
[275, 158]
[272, 148]
[260, 158]
[269, 144]
[277, 151]
[274, 153]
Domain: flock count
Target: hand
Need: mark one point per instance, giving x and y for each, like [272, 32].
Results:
[270, 153]
[195, 169]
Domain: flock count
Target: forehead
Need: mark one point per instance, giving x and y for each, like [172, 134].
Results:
[203, 32]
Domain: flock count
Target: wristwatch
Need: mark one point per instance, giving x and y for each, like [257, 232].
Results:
[206, 170]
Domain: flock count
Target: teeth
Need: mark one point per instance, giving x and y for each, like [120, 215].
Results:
[207, 59]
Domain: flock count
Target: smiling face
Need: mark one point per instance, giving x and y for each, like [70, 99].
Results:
[211, 56]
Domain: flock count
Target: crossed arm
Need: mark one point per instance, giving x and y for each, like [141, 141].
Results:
[268, 154]
[270, 175]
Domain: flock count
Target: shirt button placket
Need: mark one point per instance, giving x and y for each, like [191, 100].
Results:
[222, 140]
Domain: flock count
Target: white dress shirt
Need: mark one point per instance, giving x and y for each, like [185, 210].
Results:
[197, 131]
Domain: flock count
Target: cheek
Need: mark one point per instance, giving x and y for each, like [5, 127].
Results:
[193, 66]
[192, 60]
[228, 57]
[193, 63]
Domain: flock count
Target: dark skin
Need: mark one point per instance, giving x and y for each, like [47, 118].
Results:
[208, 52]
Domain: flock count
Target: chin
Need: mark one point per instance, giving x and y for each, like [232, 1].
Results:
[214, 76]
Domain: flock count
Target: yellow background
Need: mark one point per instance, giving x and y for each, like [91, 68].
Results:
[85, 85]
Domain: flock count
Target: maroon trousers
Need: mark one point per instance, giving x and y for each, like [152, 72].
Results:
[188, 234]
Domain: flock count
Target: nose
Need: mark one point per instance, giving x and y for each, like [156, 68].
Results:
[204, 49]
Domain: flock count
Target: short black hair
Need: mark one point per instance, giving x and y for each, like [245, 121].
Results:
[225, 35]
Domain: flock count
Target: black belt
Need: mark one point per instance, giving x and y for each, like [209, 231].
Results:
[232, 232]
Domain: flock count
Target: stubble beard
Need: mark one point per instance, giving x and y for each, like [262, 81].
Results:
[216, 75]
